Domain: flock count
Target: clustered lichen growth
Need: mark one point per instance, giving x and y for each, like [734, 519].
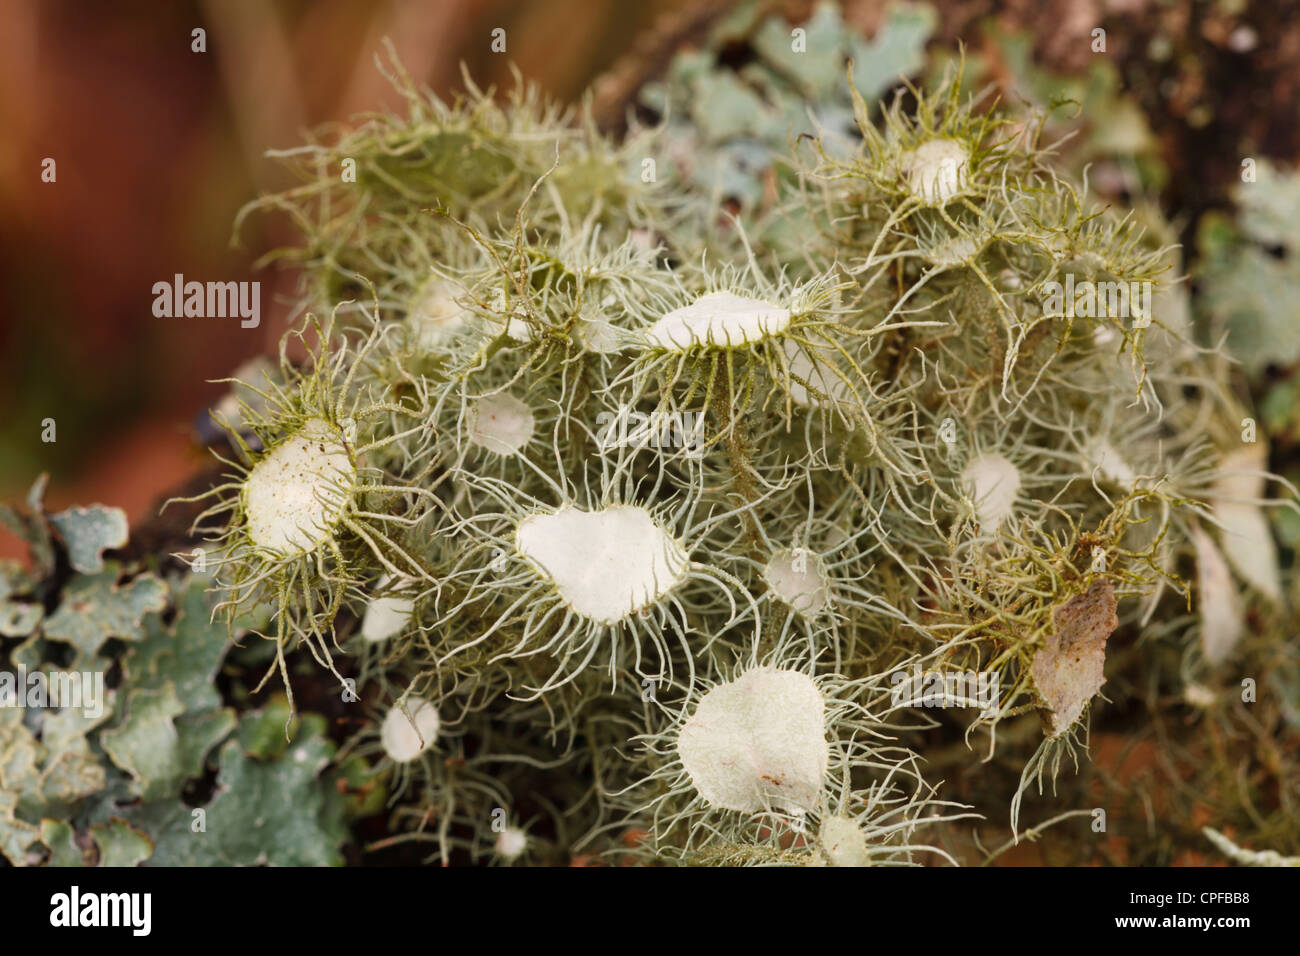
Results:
[630, 503]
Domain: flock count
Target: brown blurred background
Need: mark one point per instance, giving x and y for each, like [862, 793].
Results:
[157, 147]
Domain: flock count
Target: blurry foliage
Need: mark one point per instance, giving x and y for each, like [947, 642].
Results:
[1250, 273]
[120, 788]
[1101, 124]
[722, 128]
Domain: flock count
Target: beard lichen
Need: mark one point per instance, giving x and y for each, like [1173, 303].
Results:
[876, 447]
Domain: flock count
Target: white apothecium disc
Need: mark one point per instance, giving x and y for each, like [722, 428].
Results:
[435, 319]
[1110, 464]
[843, 842]
[797, 578]
[605, 564]
[1221, 613]
[500, 423]
[386, 615]
[992, 483]
[758, 743]
[1247, 538]
[409, 729]
[719, 319]
[295, 496]
[936, 170]
[511, 842]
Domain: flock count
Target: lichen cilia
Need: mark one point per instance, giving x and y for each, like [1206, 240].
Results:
[307, 516]
[905, 455]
